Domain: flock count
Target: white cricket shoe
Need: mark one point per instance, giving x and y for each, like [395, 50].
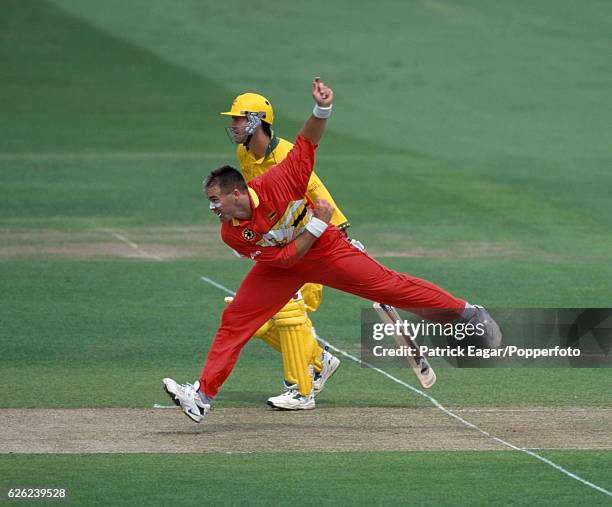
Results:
[292, 400]
[330, 365]
[186, 396]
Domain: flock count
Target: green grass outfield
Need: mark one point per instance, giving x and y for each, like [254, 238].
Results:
[469, 146]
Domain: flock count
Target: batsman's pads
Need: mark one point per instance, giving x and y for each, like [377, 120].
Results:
[267, 332]
[312, 294]
[298, 345]
[270, 332]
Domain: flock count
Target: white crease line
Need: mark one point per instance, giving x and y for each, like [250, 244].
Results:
[438, 405]
[122, 238]
[157, 405]
[218, 285]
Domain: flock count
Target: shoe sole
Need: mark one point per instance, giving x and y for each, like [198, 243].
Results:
[330, 376]
[285, 409]
[178, 404]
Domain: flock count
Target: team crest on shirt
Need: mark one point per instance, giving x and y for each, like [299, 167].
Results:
[248, 234]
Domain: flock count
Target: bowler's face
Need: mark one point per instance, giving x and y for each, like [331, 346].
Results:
[222, 205]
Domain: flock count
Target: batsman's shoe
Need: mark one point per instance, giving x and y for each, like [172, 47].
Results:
[287, 387]
[292, 400]
[492, 337]
[330, 365]
[186, 396]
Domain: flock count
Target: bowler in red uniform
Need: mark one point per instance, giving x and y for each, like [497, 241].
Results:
[291, 241]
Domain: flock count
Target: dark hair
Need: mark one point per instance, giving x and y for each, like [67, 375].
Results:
[227, 178]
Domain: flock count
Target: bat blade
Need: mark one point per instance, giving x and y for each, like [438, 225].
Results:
[418, 363]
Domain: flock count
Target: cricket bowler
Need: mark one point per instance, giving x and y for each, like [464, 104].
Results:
[290, 331]
[262, 221]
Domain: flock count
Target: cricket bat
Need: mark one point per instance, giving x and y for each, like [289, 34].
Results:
[418, 364]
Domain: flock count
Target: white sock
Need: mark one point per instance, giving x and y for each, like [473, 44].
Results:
[204, 399]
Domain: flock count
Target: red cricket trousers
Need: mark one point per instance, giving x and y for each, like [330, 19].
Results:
[333, 262]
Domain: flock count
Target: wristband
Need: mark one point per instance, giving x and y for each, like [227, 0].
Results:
[322, 112]
[316, 227]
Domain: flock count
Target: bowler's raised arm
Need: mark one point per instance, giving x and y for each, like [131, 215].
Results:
[315, 125]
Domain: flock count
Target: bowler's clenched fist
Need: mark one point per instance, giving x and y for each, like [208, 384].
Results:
[321, 93]
[323, 210]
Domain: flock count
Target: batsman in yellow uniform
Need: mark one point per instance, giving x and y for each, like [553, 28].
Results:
[306, 365]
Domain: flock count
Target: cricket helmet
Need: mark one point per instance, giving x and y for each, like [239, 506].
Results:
[252, 103]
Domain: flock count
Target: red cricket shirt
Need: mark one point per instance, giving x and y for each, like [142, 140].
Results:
[280, 210]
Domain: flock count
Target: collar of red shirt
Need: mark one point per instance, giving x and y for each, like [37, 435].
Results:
[254, 204]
